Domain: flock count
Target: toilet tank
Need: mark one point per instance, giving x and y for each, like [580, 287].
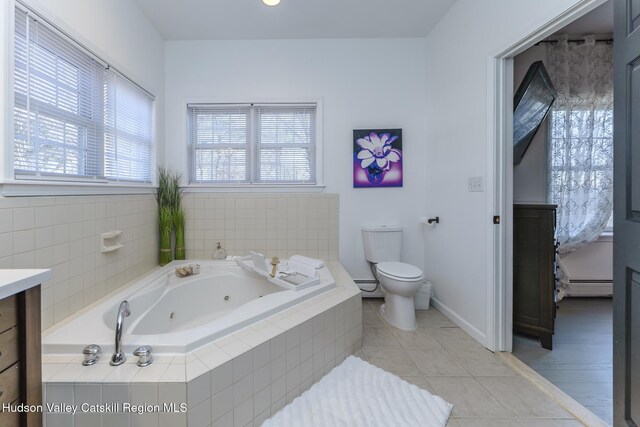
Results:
[382, 242]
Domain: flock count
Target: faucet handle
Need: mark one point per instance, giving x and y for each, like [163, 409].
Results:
[144, 353]
[91, 354]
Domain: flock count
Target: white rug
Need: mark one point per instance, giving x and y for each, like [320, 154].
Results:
[355, 394]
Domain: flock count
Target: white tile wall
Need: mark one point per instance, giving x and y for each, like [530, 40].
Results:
[276, 224]
[63, 233]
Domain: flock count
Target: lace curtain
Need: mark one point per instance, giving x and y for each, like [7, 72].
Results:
[580, 168]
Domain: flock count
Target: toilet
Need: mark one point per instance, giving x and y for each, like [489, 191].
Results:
[400, 281]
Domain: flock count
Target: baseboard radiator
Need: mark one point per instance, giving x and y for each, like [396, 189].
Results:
[590, 288]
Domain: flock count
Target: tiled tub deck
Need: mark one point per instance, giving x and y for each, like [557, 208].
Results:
[239, 380]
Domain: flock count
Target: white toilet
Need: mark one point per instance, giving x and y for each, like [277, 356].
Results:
[401, 282]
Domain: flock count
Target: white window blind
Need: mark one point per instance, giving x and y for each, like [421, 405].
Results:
[285, 143]
[219, 143]
[74, 117]
[247, 143]
[128, 131]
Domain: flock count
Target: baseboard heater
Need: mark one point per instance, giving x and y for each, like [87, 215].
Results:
[590, 288]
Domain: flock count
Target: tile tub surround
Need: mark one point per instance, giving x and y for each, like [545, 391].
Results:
[241, 379]
[63, 234]
[277, 224]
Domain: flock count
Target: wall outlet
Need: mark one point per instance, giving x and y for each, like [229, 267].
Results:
[475, 183]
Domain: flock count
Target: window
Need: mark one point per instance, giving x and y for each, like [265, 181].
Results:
[581, 167]
[252, 144]
[74, 116]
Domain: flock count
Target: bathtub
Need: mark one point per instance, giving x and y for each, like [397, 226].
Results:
[177, 315]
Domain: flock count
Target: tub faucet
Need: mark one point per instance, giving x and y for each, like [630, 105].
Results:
[118, 357]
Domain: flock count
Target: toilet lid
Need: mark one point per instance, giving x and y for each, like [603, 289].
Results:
[399, 269]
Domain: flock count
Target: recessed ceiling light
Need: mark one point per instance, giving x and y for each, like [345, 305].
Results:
[271, 2]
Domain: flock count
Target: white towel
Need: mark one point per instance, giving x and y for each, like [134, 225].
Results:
[311, 262]
[356, 394]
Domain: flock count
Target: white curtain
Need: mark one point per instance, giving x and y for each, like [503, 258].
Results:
[580, 165]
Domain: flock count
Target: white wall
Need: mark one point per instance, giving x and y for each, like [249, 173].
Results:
[529, 176]
[375, 83]
[460, 145]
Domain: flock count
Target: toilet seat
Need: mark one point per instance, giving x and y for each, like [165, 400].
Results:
[399, 271]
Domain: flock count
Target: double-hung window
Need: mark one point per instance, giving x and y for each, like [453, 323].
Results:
[74, 116]
[252, 143]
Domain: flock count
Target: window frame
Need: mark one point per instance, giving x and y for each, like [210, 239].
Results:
[246, 186]
[55, 184]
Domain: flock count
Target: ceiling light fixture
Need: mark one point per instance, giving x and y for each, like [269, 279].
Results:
[271, 2]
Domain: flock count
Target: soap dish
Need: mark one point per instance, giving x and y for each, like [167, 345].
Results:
[187, 270]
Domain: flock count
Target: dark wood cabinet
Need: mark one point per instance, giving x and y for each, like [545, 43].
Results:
[534, 263]
[20, 357]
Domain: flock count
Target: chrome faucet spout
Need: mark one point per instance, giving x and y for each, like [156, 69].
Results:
[119, 357]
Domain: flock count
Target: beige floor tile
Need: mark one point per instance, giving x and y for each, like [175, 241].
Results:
[469, 398]
[420, 338]
[393, 360]
[437, 362]
[452, 422]
[432, 318]
[378, 337]
[360, 355]
[522, 398]
[370, 317]
[493, 422]
[374, 303]
[550, 423]
[481, 362]
[455, 338]
[420, 382]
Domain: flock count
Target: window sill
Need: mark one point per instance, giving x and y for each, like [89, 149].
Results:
[254, 188]
[57, 188]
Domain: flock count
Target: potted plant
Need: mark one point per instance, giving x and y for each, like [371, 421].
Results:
[170, 215]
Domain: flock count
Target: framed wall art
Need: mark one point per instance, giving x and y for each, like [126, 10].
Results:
[377, 158]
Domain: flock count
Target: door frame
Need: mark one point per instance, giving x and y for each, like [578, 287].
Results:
[500, 90]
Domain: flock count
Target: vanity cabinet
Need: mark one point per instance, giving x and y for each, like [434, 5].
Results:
[20, 346]
[534, 264]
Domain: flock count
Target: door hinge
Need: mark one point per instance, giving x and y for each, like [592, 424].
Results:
[496, 219]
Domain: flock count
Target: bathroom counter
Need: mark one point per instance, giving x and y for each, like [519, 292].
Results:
[13, 281]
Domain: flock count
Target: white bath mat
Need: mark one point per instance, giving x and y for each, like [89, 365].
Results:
[356, 394]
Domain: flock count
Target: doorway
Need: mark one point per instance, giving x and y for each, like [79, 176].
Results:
[566, 336]
[578, 307]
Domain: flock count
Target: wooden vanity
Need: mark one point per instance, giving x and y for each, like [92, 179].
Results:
[20, 348]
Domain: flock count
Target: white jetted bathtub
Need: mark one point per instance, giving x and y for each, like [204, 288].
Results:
[177, 315]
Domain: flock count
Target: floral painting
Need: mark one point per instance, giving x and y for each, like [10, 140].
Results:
[377, 158]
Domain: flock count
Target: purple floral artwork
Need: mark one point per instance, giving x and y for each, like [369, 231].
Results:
[377, 158]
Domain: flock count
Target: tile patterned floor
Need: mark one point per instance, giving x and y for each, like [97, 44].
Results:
[581, 361]
[443, 359]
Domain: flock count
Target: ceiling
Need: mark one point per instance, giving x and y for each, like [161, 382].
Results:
[598, 21]
[292, 19]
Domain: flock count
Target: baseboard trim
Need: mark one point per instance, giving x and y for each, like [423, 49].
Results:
[563, 399]
[587, 288]
[462, 323]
